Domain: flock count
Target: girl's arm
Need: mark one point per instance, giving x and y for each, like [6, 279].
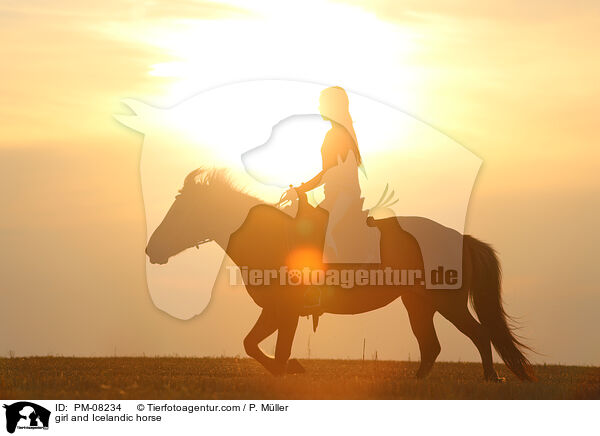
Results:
[333, 145]
[313, 183]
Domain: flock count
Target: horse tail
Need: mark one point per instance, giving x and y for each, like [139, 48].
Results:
[485, 297]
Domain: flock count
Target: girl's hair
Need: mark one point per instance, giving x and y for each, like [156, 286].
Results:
[334, 105]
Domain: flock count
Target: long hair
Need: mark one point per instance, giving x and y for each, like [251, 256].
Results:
[334, 105]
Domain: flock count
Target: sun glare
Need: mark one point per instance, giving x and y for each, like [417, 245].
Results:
[298, 43]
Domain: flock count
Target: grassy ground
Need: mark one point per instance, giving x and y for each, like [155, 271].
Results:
[231, 378]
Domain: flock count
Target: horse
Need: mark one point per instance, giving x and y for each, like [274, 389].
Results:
[259, 236]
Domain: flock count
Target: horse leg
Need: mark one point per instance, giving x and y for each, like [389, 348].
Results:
[462, 319]
[283, 348]
[420, 313]
[265, 325]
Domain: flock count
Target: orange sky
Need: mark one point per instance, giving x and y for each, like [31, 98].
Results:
[514, 82]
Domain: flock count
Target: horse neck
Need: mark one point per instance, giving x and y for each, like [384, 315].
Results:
[232, 213]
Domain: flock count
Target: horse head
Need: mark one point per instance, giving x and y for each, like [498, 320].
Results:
[187, 222]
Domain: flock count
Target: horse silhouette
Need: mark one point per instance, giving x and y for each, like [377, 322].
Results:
[32, 413]
[209, 207]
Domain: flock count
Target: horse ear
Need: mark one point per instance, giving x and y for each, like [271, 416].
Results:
[191, 178]
[143, 115]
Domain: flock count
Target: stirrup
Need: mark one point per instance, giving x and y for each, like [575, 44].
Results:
[315, 310]
[315, 321]
[317, 304]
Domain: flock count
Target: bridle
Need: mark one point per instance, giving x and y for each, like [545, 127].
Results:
[199, 243]
[196, 244]
[281, 201]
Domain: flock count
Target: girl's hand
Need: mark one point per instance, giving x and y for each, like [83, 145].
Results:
[290, 195]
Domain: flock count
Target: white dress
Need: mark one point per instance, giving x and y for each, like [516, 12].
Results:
[348, 238]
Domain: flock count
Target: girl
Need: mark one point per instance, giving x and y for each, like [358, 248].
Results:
[348, 238]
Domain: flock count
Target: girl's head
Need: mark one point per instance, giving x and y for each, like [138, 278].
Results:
[334, 106]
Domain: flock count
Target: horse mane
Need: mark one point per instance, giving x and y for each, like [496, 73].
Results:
[218, 178]
[217, 186]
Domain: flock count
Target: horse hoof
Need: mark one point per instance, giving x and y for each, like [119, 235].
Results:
[294, 367]
[420, 375]
[495, 379]
[424, 370]
[274, 368]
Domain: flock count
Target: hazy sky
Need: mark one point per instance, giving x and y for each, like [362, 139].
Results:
[514, 82]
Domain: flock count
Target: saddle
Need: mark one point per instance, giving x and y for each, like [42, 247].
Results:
[270, 239]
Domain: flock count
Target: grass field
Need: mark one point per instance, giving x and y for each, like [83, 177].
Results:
[232, 378]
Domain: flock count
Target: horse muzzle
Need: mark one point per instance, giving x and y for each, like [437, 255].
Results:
[156, 259]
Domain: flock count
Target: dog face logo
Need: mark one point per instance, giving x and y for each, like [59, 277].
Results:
[26, 415]
[268, 134]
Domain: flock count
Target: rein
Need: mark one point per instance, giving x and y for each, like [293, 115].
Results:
[199, 243]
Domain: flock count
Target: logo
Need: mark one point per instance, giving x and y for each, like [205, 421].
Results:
[280, 130]
[26, 415]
